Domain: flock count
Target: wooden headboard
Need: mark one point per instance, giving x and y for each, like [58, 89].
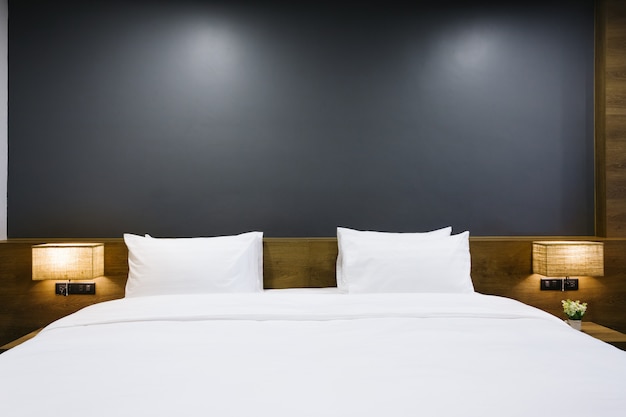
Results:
[500, 266]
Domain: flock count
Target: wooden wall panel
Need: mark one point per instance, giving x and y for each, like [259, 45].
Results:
[500, 266]
[611, 118]
[299, 262]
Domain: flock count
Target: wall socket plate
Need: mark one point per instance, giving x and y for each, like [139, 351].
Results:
[64, 288]
[551, 284]
[570, 284]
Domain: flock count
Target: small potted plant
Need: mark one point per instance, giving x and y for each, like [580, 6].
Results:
[574, 310]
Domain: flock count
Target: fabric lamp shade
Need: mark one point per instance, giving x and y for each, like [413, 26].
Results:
[568, 258]
[69, 261]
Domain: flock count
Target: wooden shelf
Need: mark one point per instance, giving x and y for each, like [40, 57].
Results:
[605, 334]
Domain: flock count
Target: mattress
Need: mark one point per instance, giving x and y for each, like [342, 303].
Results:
[312, 354]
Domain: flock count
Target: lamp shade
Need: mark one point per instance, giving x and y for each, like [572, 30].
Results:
[568, 258]
[68, 261]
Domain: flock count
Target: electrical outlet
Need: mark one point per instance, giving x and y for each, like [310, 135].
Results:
[551, 284]
[571, 284]
[63, 288]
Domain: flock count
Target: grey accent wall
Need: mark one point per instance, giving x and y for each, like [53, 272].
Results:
[4, 99]
[186, 118]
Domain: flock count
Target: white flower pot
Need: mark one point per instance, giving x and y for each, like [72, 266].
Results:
[574, 324]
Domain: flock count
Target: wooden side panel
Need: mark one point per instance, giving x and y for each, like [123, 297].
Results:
[504, 267]
[500, 266]
[611, 43]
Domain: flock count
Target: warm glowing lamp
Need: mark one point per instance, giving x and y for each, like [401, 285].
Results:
[568, 258]
[69, 261]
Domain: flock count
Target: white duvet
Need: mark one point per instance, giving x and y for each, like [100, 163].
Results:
[290, 354]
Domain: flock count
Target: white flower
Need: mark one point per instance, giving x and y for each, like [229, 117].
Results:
[574, 310]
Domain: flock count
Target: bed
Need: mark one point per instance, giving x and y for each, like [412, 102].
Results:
[391, 339]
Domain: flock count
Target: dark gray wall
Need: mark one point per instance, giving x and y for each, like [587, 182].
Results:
[187, 118]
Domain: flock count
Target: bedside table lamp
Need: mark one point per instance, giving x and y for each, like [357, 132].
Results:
[566, 259]
[69, 261]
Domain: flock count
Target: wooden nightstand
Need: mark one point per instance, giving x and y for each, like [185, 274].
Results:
[605, 334]
[18, 341]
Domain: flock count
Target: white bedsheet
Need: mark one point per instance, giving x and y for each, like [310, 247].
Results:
[289, 354]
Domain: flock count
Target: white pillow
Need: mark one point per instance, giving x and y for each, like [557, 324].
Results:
[441, 264]
[194, 265]
[348, 240]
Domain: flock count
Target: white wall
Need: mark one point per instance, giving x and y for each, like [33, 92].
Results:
[4, 97]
